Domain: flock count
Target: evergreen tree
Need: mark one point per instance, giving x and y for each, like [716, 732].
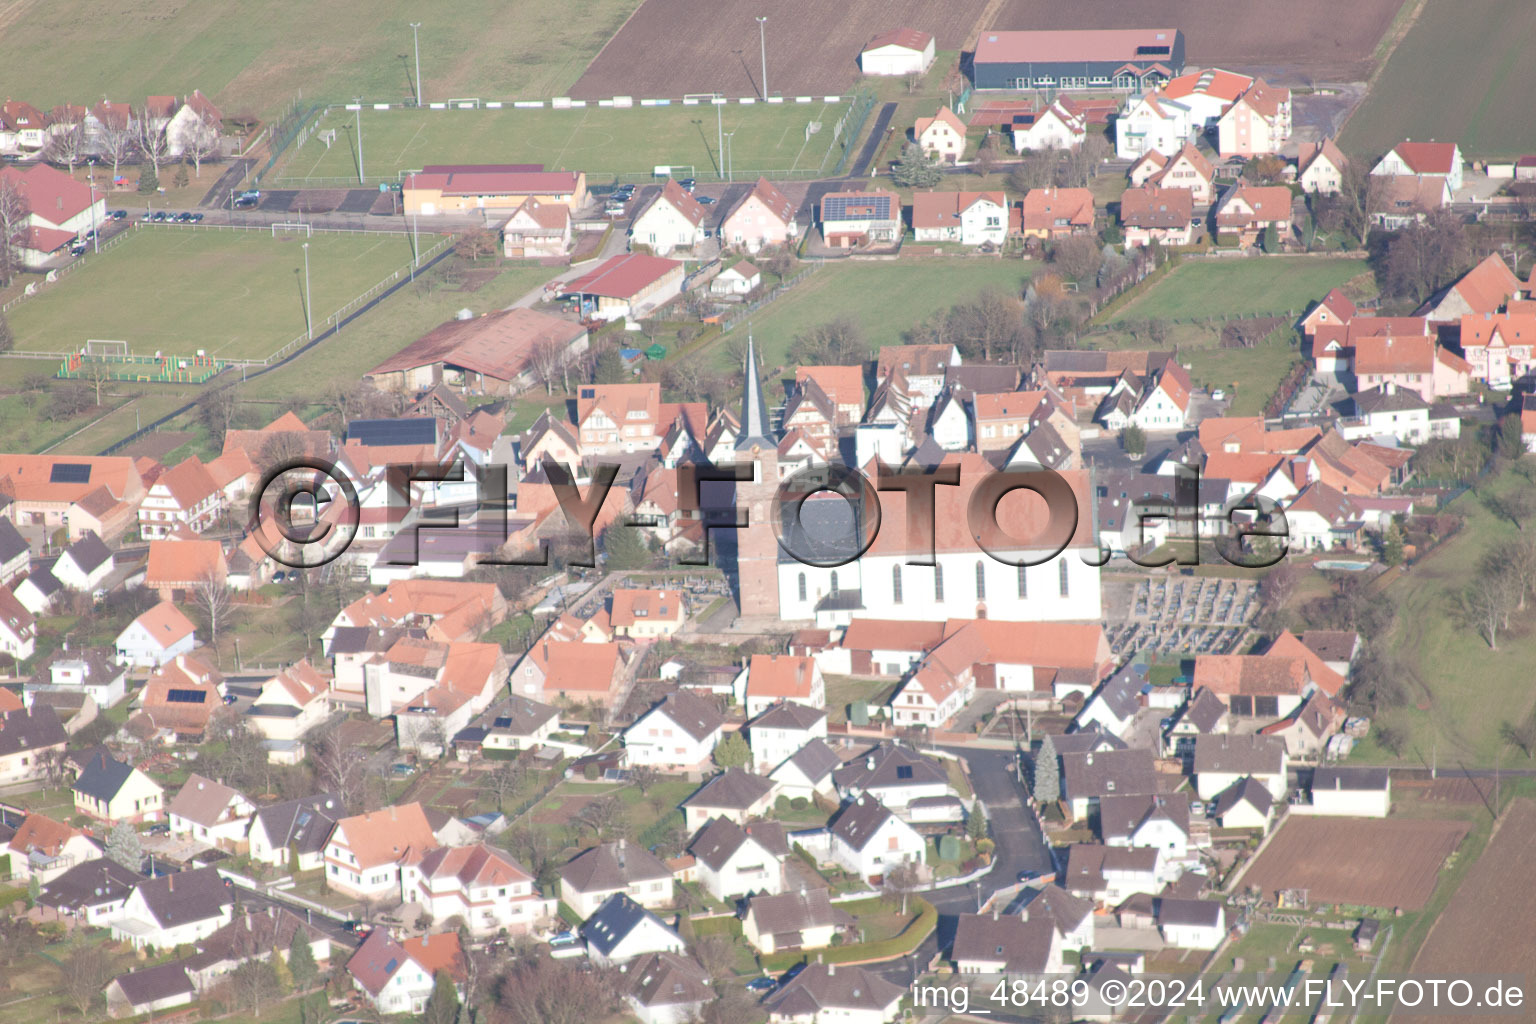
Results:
[1047, 773]
[282, 971]
[149, 181]
[732, 752]
[34, 890]
[1134, 440]
[123, 847]
[301, 960]
[916, 169]
[976, 825]
[443, 1004]
[609, 368]
[1271, 239]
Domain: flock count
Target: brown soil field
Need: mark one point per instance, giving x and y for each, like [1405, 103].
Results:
[1490, 925]
[669, 48]
[1387, 862]
[1326, 39]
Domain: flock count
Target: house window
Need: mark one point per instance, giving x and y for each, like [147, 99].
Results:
[938, 583]
[802, 586]
[981, 580]
[896, 584]
[1023, 581]
[1065, 587]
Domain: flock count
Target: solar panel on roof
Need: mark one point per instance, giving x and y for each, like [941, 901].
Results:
[503, 722]
[70, 473]
[373, 433]
[185, 697]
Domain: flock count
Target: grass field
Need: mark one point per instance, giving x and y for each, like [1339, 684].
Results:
[1463, 72]
[259, 58]
[603, 141]
[234, 294]
[886, 298]
[1237, 287]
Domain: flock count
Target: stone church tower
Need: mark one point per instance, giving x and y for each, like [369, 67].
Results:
[757, 546]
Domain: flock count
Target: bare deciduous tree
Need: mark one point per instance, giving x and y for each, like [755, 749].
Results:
[212, 596]
[201, 142]
[543, 991]
[340, 767]
[66, 140]
[549, 363]
[900, 882]
[150, 138]
[83, 974]
[599, 815]
[115, 141]
[14, 212]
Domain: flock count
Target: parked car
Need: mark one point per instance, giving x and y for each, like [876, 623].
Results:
[356, 927]
[565, 939]
[183, 218]
[246, 203]
[77, 249]
[119, 214]
[706, 200]
[689, 184]
[402, 769]
[251, 193]
[147, 215]
[230, 698]
[1218, 395]
[159, 829]
[160, 217]
[196, 217]
[762, 985]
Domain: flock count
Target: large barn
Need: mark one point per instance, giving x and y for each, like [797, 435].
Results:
[1130, 59]
[491, 354]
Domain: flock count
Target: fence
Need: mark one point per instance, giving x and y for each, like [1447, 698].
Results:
[283, 134]
[853, 127]
[729, 323]
[66, 270]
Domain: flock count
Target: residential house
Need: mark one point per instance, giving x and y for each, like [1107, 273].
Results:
[923, 367]
[150, 991]
[679, 732]
[647, 614]
[622, 929]
[1160, 821]
[22, 127]
[602, 871]
[179, 700]
[898, 51]
[1320, 167]
[808, 773]
[479, 884]
[1111, 874]
[763, 218]
[673, 220]
[516, 723]
[48, 490]
[1163, 215]
[365, 853]
[666, 988]
[156, 637]
[174, 909]
[15, 553]
[293, 833]
[90, 673]
[732, 861]
[256, 935]
[782, 731]
[44, 849]
[1246, 212]
[1089, 776]
[1051, 213]
[868, 840]
[1224, 759]
[1321, 518]
[176, 568]
[1187, 169]
[799, 919]
[1191, 924]
[1152, 122]
[771, 678]
[1352, 792]
[399, 977]
[1071, 916]
[1423, 159]
[183, 496]
[1500, 348]
[91, 892]
[109, 790]
[1484, 290]
[84, 564]
[856, 219]
[896, 776]
[1254, 686]
[197, 122]
[289, 705]
[970, 218]
[734, 794]
[1333, 310]
[626, 286]
[1007, 944]
[210, 812]
[1257, 123]
[537, 231]
[740, 278]
[844, 385]
[1337, 648]
[574, 671]
[835, 994]
[1406, 199]
[1058, 126]
[17, 627]
[1115, 704]
[942, 137]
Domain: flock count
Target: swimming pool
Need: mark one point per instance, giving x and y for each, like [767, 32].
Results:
[1340, 565]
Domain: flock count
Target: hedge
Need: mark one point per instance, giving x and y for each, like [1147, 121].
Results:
[886, 949]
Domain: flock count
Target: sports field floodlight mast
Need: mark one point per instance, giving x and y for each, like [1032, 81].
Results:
[416, 38]
[762, 43]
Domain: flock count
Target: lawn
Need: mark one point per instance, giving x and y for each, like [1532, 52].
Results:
[886, 298]
[603, 141]
[259, 59]
[1468, 690]
[233, 294]
[1461, 73]
[845, 690]
[1266, 286]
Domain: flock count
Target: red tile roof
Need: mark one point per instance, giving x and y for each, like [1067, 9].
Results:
[498, 345]
[623, 276]
[51, 194]
[1427, 157]
[943, 209]
[911, 38]
[505, 180]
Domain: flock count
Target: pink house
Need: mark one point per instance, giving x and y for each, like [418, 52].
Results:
[763, 218]
[1413, 363]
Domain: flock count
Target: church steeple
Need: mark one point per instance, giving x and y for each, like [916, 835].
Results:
[755, 431]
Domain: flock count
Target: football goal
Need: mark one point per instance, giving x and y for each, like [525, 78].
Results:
[293, 228]
[98, 348]
[465, 103]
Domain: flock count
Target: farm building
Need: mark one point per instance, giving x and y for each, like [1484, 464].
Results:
[489, 354]
[1352, 792]
[901, 51]
[464, 188]
[1130, 59]
[626, 286]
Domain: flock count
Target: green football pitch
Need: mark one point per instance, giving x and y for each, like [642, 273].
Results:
[789, 140]
[235, 294]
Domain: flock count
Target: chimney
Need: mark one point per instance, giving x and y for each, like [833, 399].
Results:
[831, 970]
[171, 882]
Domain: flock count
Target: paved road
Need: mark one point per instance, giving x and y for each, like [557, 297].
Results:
[230, 180]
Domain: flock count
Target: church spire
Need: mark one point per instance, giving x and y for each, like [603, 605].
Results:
[754, 410]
